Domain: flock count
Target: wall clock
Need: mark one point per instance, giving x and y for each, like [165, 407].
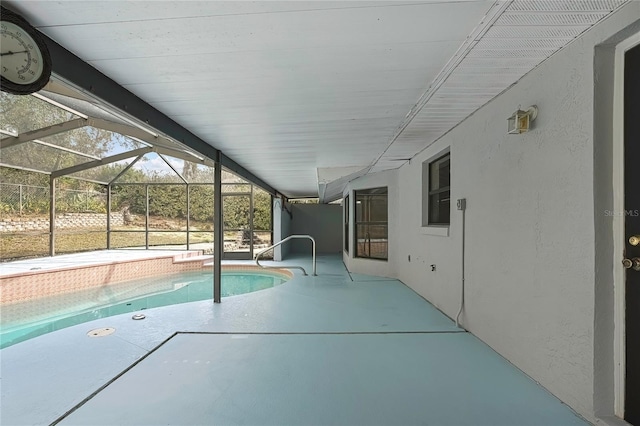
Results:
[25, 63]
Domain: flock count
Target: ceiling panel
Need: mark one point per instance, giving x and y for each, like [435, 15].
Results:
[519, 38]
[363, 27]
[287, 88]
[283, 88]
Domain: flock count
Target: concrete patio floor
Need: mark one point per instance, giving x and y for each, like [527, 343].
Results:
[338, 348]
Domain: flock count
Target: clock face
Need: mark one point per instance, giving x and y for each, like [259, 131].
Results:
[21, 61]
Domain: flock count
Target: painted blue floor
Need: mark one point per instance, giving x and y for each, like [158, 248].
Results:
[311, 379]
[332, 349]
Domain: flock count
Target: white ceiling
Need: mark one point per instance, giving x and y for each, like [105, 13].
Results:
[304, 94]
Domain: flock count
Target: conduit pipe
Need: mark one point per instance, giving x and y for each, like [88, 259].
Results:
[462, 205]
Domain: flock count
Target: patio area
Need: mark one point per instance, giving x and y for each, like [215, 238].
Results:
[339, 348]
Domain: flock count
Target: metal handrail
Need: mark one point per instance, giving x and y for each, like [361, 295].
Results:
[290, 237]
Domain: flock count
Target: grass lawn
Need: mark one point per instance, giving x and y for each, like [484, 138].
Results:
[14, 246]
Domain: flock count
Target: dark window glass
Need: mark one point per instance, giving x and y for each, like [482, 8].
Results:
[371, 227]
[346, 224]
[439, 191]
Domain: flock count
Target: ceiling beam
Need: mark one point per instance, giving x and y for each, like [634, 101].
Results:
[183, 155]
[123, 129]
[131, 164]
[62, 148]
[173, 168]
[26, 169]
[43, 132]
[83, 76]
[91, 81]
[102, 162]
[161, 144]
[241, 171]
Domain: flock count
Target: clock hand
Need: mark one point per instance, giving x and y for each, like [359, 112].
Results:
[13, 53]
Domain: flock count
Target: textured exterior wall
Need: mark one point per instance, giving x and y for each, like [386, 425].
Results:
[281, 229]
[285, 230]
[530, 250]
[322, 221]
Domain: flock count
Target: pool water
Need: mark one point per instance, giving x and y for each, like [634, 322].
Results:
[25, 320]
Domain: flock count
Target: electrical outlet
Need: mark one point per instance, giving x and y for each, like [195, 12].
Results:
[462, 204]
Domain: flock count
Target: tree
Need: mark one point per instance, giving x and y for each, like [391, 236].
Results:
[261, 210]
[20, 114]
[9, 175]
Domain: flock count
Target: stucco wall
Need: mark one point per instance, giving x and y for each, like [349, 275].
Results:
[372, 266]
[530, 250]
[322, 221]
[281, 228]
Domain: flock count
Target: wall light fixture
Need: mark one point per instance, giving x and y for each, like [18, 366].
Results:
[520, 121]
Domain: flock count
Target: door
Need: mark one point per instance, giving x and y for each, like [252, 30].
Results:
[238, 226]
[632, 233]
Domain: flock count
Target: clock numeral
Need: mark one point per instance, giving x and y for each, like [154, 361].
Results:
[30, 46]
[32, 72]
[34, 60]
[21, 77]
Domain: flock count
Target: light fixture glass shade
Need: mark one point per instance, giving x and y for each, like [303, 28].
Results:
[520, 121]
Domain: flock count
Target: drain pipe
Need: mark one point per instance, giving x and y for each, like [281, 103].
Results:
[462, 206]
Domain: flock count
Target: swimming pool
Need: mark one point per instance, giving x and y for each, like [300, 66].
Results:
[25, 320]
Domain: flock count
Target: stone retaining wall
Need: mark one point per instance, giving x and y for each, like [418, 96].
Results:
[63, 221]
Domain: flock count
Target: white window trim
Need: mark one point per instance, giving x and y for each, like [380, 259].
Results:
[437, 230]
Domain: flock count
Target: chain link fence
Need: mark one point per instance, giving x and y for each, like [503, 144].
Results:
[142, 215]
[28, 200]
[80, 201]
[23, 200]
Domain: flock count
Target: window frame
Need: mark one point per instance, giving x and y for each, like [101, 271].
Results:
[345, 221]
[429, 226]
[357, 223]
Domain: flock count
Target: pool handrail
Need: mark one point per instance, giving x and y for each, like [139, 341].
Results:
[290, 237]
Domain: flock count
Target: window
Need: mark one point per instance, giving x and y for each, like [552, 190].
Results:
[439, 194]
[303, 200]
[371, 234]
[346, 224]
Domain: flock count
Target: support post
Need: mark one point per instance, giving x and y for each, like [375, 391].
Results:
[109, 217]
[218, 236]
[146, 218]
[188, 215]
[52, 216]
[251, 222]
